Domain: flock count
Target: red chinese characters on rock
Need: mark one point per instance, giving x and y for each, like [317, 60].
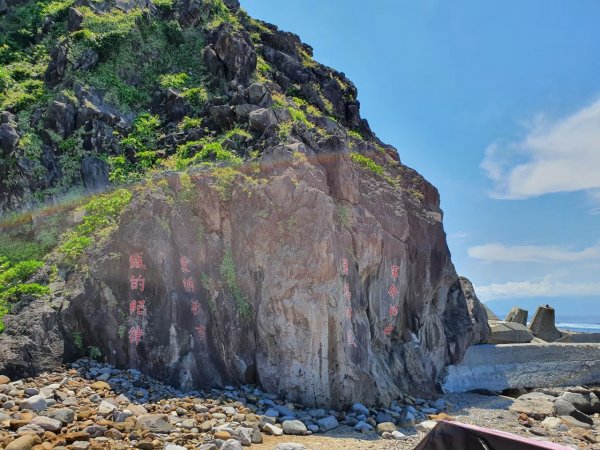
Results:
[196, 308]
[388, 329]
[189, 285]
[201, 330]
[184, 263]
[137, 283]
[347, 292]
[136, 261]
[394, 310]
[395, 272]
[137, 307]
[345, 269]
[349, 312]
[135, 334]
[393, 290]
[350, 338]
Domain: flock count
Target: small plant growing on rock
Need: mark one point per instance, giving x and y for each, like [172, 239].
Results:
[229, 274]
[13, 284]
[344, 215]
[366, 162]
[78, 340]
[95, 353]
[102, 213]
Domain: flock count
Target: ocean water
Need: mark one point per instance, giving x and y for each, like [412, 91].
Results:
[581, 327]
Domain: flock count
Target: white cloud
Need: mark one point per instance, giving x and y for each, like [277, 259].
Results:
[561, 156]
[532, 253]
[545, 288]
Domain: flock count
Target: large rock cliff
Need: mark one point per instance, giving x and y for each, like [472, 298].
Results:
[292, 250]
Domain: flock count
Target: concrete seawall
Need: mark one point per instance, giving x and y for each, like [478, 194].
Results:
[499, 367]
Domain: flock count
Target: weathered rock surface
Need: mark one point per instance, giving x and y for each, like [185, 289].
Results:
[543, 324]
[305, 271]
[517, 366]
[517, 315]
[509, 333]
[535, 404]
[370, 309]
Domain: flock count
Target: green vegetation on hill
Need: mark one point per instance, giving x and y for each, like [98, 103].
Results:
[163, 86]
[13, 283]
[102, 213]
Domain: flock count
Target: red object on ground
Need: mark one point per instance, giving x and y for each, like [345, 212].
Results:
[454, 436]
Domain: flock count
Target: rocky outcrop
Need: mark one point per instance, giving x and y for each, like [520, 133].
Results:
[319, 269]
[311, 276]
[230, 54]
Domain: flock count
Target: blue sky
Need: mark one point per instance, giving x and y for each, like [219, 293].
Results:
[498, 105]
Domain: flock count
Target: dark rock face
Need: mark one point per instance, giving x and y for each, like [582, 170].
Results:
[58, 64]
[95, 174]
[464, 316]
[9, 138]
[341, 305]
[231, 54]
[32, 342]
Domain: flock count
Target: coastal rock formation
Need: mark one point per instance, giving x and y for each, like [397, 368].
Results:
[368, 310]
[257, 231]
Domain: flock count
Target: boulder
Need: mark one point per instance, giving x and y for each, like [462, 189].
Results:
[223, 116]
[176, 106]
[587, 402]
[23, 443]
[509, 333]
[273, 430]
[328, 423]
[543, 326]
[294, 427]
[155, 423]
[256, 93]
[65, 415]
[464, 316]
[9, 138]
[554, 423]
[262, 119]
[47, 423]
[35, 403]
[57, 66]
[230, 54]
[231, 444]
[75, 19]
[571, 422]
[61, 118]
[517, 315]
[243, 111]
[386, 427]
[87, 60]
[535, 405]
